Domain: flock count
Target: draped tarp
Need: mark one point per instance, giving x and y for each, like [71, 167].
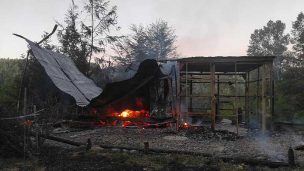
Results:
[147, 72]
[65, 75]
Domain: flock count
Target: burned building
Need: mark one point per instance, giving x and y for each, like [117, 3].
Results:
[193, 90]
[213, 88]
[196, 91]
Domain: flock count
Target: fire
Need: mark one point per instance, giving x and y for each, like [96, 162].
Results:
[134, 114]
[127, 113]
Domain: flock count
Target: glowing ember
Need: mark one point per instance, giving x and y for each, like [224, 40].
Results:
[185, 125]
[28, 122]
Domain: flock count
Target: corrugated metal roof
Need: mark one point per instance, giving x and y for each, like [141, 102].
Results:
[65, 75]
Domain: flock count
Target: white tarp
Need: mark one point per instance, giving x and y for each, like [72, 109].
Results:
[65, 75]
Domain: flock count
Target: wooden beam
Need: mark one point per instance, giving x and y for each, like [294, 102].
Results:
[58, 139]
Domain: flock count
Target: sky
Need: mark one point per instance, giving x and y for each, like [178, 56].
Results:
[203, 27]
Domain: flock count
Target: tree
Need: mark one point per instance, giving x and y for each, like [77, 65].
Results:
[83, 39]
[155, 41]
[297, 39]
[10, 73]
[79, 39]
[270, 41]
[71, 43]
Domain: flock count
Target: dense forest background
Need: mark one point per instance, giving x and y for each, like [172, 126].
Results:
[97, 52]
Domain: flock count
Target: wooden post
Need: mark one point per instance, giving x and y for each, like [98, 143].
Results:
[257, 113]
[146, 146]
[267, 98]
[212, 94]
[218, 98]
[36, 129]
[190, 93]
[24, 102]
[178, 95]
[235, 104]
[247, 98]
[272, 96]
[186, 96]
[263, 100]
[24, 111]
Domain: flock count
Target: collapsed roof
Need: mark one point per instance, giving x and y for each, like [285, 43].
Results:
[147, 73]
[65, 75]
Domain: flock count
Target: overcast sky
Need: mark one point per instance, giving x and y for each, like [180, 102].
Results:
[203, 27]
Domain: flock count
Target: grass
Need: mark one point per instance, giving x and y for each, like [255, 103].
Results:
[17, 164]
[102, 159]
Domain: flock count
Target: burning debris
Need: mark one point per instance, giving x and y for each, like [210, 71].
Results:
[142, 101]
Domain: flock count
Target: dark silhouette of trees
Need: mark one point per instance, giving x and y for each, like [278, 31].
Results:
[297, 39]
[270, 41]
[83, 40]
[79, 39]
[155, 41]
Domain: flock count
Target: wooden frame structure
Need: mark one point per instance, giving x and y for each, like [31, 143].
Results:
[248, 80]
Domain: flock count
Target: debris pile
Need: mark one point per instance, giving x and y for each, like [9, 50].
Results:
[203, 133]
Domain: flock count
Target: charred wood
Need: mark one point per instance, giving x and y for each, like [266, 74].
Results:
[299, 147]
[58, 139]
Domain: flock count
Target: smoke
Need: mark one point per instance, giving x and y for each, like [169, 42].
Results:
[274, 146]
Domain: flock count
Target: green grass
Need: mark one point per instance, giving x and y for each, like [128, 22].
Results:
[129, 161]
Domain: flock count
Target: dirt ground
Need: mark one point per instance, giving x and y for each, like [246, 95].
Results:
[250, 144]
[209, 149]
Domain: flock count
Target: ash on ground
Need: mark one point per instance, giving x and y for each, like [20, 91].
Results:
[218, 143]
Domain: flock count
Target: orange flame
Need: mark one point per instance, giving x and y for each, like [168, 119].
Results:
[127, 113]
